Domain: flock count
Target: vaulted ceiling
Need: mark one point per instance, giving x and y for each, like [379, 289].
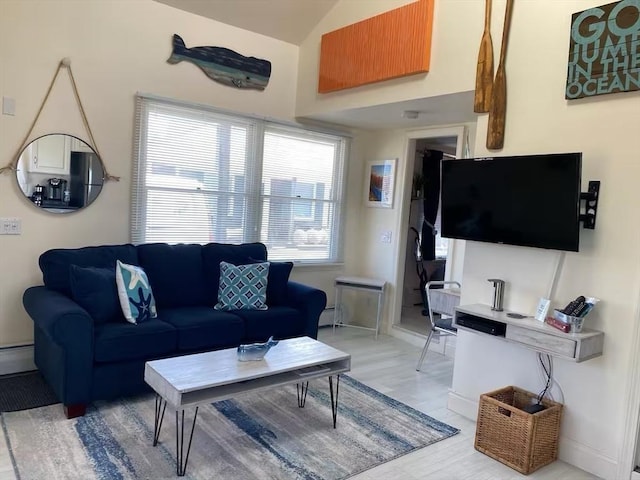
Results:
[287, 20]
[291, 21]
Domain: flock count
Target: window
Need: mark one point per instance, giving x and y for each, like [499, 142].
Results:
[202, 175]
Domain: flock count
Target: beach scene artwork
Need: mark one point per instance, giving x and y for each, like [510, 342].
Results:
[380, 178]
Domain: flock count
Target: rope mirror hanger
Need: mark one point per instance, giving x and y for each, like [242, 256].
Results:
[65, 63]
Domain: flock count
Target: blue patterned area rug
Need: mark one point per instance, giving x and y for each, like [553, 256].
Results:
[255, 436]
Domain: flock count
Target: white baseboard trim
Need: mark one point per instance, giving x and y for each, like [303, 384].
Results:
[16, 359]
[570, 451]
[586, 458]
[463, 406]
[445, 346]
[412, 338]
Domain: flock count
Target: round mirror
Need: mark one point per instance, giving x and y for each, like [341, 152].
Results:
[60, 173]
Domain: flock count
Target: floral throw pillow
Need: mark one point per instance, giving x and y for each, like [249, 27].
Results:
[134, 292]
[243, 287]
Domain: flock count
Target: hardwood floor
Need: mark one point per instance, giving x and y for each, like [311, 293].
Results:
[6, 467]
[388, 365]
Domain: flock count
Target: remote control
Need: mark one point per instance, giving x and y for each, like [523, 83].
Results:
[573, 305]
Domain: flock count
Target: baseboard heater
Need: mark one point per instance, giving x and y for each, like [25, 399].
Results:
[16, 359]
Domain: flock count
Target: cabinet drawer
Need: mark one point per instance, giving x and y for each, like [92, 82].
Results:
[542, 341]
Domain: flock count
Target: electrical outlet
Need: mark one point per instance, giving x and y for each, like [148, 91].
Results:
[10, 226]
[385, 237]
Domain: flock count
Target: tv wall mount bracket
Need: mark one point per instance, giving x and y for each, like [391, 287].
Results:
[588, 218]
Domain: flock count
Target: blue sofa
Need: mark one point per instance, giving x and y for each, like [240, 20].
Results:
[87, 351]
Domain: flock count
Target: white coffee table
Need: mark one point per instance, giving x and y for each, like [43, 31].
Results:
[192, 380]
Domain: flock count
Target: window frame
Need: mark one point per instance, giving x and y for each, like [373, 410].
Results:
[253, 195]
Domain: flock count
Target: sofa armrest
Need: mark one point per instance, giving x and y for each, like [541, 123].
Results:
[62, 319]
[309, 300]
[63, 343]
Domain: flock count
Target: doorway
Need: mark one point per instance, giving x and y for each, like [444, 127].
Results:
[410, 320]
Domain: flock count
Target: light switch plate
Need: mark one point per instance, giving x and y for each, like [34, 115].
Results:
[8, 106]
[385, 237]
[10, 226]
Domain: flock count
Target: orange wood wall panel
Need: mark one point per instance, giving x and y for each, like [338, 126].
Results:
[392, 44]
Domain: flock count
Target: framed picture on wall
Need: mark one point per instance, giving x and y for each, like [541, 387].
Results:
[379, 183]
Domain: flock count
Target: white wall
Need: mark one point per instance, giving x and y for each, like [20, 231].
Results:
[539, 120]
[117, 49]
[453, 62]
[604, 128]
[454, 37]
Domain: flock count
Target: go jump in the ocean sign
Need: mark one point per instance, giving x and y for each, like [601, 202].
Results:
[604, 50]
[224, 65]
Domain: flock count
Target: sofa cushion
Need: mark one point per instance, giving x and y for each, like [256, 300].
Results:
[214, 253]
[279, 322]
[243, 287]
[134, 293]
[277, 283]
[117, 342]
[94, 289]
[277, 280]
[176, 274]
[203, 328]
[55, 264]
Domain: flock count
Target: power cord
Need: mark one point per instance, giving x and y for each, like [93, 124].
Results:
[548, 370]
[544, 370]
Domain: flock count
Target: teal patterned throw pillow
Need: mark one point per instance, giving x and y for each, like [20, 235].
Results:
[243, 287]
[134, 292]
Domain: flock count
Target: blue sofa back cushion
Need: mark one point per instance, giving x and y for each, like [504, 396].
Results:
[176, 274]
[94, 289]
[56, 264]
[277, 281]
[214, 253]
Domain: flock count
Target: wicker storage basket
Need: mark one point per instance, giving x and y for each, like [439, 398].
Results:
[521, 440]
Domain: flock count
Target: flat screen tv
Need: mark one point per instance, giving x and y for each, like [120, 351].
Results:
[529, 200]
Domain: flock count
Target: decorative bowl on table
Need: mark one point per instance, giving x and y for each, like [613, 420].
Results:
[255, 351]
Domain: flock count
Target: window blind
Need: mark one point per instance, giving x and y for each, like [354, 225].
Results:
[300, 217]
[203, 176]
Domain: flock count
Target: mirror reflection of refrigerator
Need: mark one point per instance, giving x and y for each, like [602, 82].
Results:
[86, 178]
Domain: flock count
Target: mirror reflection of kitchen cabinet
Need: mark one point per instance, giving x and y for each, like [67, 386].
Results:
[50, 154]
[78, 145]
[69, 180]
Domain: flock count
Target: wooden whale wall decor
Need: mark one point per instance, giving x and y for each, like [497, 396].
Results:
[223, 65]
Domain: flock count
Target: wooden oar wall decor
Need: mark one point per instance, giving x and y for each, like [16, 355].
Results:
[491, 93]
[484, 70]
[498, 107]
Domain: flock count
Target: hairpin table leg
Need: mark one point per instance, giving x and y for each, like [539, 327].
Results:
[181, 458]
[334, 401]
[161, 405]
[301, 389]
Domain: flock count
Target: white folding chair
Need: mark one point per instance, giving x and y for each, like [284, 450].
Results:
[442, 301]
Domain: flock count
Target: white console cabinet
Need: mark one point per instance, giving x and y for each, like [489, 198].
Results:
[530, 333]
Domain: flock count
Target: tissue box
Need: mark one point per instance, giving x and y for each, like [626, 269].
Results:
[575, 323]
